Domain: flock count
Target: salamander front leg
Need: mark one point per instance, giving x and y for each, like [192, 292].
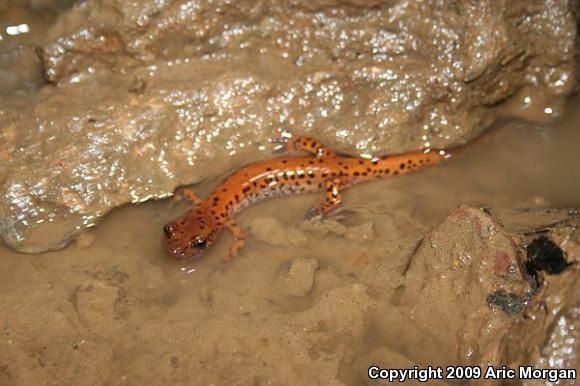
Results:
[188, 194]
[333, 200]
[311, 146]
[239, 240]
[307, 144]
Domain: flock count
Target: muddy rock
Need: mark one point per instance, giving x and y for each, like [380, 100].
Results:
[318, 227]
[30, 69]
[296, 237]
[269, 230]
[149, 95]
[466, 268]
[548, 336]
[362, 233]
[299, 278]
[355, 302]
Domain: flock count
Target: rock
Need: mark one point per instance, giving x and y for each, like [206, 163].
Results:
[296, 237]
[299, 278]
[548, 336]
[315, 225]
[461, 269]
[356, 306]
[29, 72]
[161, 94]
[268, 230]
[362, 233]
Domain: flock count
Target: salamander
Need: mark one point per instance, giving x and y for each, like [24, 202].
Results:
[194, 232]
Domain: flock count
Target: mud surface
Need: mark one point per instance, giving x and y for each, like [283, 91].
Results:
[160, 94]
[471, 262]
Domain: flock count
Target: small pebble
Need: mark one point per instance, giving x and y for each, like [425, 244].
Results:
[269, 230]
[323, 227]
[296, 237]
[299, 278]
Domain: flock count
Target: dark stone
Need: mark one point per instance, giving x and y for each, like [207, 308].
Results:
[545, 255]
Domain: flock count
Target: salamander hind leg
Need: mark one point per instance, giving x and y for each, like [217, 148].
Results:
[333, 200]
[239, 240]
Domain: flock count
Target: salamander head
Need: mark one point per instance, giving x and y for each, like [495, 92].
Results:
[188, 236]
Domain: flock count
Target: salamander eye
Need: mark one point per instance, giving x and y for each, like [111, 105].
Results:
[199, 242]
[167, 231]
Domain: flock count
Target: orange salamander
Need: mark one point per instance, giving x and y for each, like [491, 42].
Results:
[189, 235]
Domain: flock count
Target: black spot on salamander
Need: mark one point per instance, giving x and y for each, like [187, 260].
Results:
[360, 162]
[311, 162]
[292, 177]
[395, 172]
[284, 161]
[268, 169]
[356, 174]
[301, 175]
[402, 166]
[254, 183]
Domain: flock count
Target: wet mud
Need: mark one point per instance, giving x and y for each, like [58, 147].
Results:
[471, 262]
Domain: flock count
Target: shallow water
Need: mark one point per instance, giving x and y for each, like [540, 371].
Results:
[123, 299]
[112, 309]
